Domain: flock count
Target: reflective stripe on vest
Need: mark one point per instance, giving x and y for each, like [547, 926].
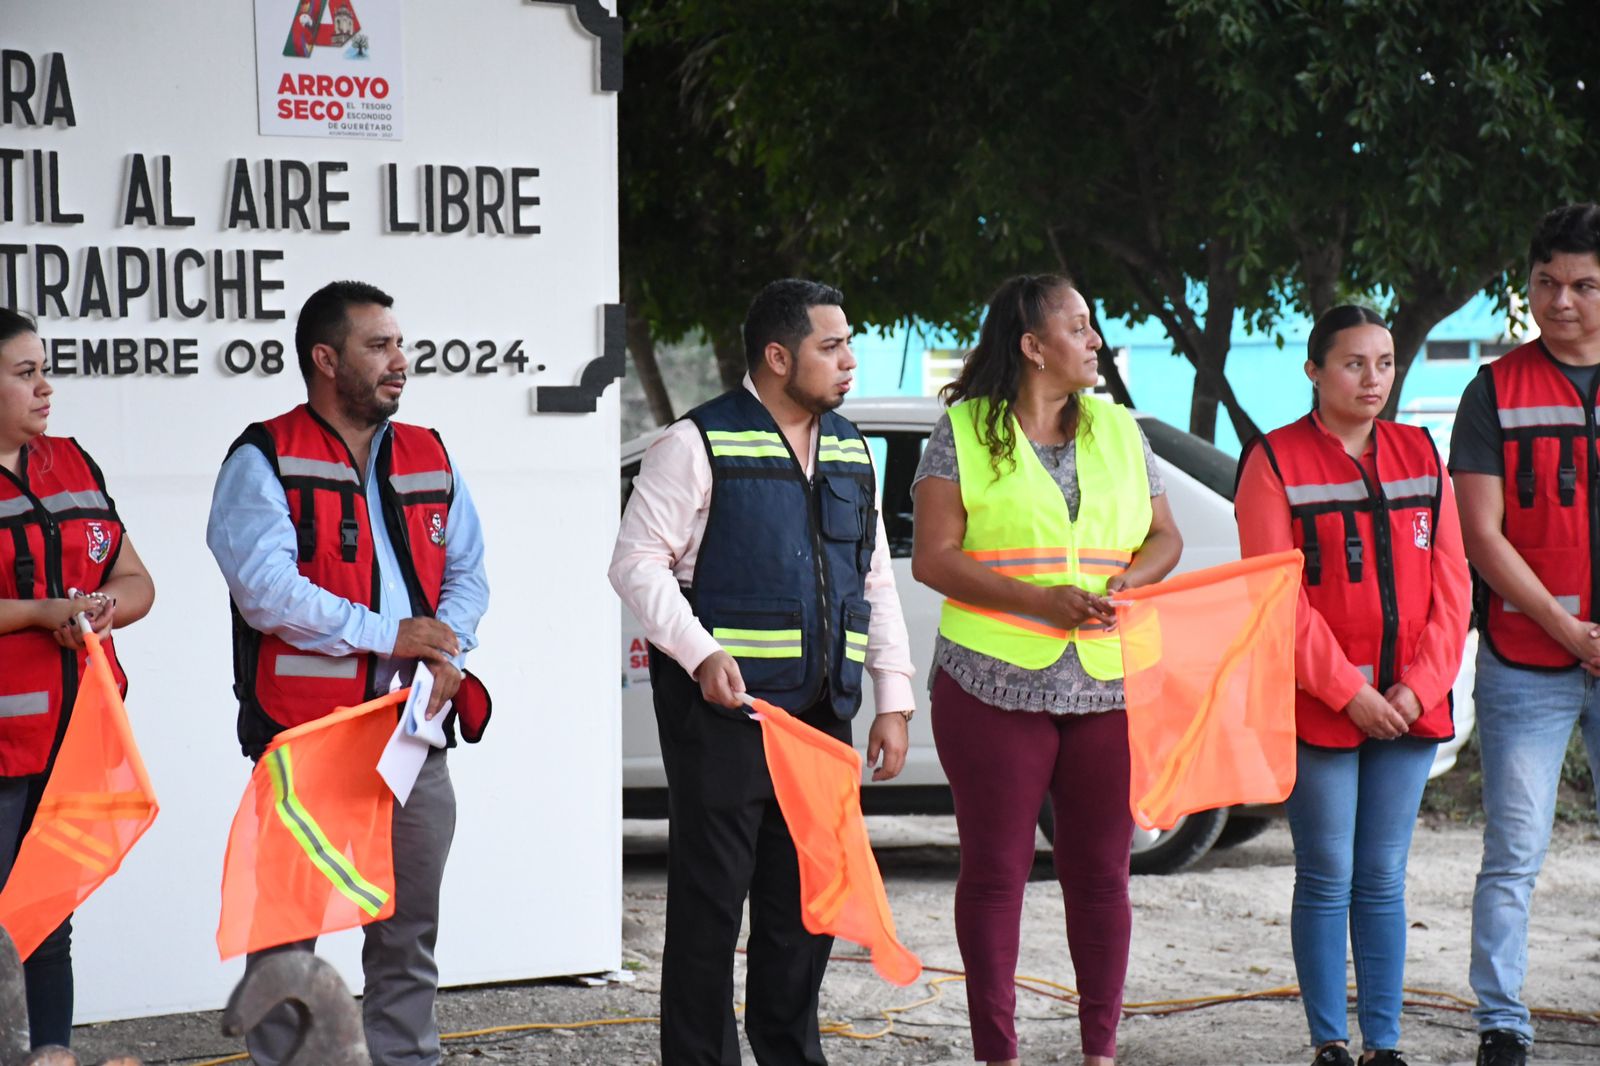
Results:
[836, 450]
[315, 666]
[1018, 525]
[294, 466]
[759, 643]
[61, 502]
[855, 645]
[748, 444]
[339, 871]
[24, 704]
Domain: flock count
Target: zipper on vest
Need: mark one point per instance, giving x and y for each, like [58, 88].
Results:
[818, 563]
[1592, 487]
[1383, 541]
[376, 579]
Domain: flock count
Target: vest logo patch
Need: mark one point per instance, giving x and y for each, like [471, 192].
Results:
[1421, 533]
[436, 528]
[99, 543]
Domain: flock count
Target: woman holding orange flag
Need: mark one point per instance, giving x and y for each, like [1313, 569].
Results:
[63, 552]
[1382, 616]
[1033, 500]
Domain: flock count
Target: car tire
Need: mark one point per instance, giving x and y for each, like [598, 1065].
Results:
[1157, 851]
[1241, 828]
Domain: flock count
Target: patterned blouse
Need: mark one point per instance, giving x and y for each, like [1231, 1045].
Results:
[1063, 687]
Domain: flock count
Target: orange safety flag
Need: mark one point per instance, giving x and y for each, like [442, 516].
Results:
[817, 781]
[1209, 664]
[311, 850]
[97, 803]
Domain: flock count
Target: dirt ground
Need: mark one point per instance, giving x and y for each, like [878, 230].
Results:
[1219, 929]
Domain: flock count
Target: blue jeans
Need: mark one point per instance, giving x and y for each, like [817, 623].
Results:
[47, 974]
[1525, 720]
[1351, 814]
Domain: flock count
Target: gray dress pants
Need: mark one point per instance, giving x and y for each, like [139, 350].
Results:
[397, 957]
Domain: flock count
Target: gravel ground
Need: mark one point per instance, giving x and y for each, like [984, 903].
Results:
[1221, 928]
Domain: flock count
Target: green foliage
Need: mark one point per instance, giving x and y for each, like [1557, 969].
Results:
[1188, 160]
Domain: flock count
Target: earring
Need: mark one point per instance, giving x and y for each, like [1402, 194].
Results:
[1038, 366]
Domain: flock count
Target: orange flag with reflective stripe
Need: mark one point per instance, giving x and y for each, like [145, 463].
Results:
[96, 805]
[817, 781]
[1209, 664]
[311, 849]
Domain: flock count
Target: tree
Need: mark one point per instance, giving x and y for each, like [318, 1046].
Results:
[1189, 160]
[1417, 144]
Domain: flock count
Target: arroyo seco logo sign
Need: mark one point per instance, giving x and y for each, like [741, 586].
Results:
[327, 69]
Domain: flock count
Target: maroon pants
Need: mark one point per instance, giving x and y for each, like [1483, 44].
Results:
[1001, 764]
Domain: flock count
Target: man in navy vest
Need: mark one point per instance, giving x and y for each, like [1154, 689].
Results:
[352, 551]
[752, 552]
[1523, 459]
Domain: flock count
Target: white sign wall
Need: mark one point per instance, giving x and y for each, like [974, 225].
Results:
[166, 246]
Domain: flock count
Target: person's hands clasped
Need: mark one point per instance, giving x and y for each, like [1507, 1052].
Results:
[98, 608]
[1376, 716]
[1582, 639]
[1068, 606]
[720, 681]
[1402, 699]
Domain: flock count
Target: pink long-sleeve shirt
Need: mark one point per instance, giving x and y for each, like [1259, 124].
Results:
[1321, 666]
[659, 541]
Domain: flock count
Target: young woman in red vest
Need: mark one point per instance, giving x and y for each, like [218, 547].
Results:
[1383, 614]
[63, 552]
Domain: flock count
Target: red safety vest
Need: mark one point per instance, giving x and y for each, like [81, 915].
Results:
[279, 685]
[1368, 558]
[1548, 441]
[58, 531]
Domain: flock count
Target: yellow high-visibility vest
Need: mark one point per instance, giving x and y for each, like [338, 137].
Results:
[1018, 525]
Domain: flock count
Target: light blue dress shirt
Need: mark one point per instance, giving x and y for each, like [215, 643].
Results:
[253, 540]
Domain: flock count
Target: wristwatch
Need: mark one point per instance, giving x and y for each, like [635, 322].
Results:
[907, 713]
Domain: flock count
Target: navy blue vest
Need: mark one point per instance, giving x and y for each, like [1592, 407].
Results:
[780, 579]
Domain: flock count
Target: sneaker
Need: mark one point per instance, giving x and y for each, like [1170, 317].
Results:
[1333, 1055]
[1501, 1047]
[1388, 1057]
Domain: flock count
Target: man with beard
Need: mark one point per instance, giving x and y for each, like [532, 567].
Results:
[352, 552]
[753, 554]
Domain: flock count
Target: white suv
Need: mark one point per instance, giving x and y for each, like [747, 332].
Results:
[1199, 481]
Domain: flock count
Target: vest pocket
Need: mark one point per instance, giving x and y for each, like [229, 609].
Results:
[763, 634]
[842, 511]
[851, 653]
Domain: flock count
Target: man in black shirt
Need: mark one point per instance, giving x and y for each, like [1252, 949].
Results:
[1527, 477]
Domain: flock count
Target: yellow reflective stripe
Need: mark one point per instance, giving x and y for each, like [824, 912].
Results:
[744, 434]
[845, 443]
[719, 633]
[748, 451]
[323, 855]
[855, 655]
[832, 456]
[743, 651]
[859, 639]
[855, 646]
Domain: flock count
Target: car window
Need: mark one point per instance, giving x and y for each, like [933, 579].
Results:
[1200, 459]
[896, 455]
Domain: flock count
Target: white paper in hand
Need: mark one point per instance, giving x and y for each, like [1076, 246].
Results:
[407, 749]
[415, 719]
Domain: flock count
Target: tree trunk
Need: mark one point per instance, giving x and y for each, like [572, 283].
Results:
[731, 364]
[1432, 300]
[1203, 409]
[642, 345]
